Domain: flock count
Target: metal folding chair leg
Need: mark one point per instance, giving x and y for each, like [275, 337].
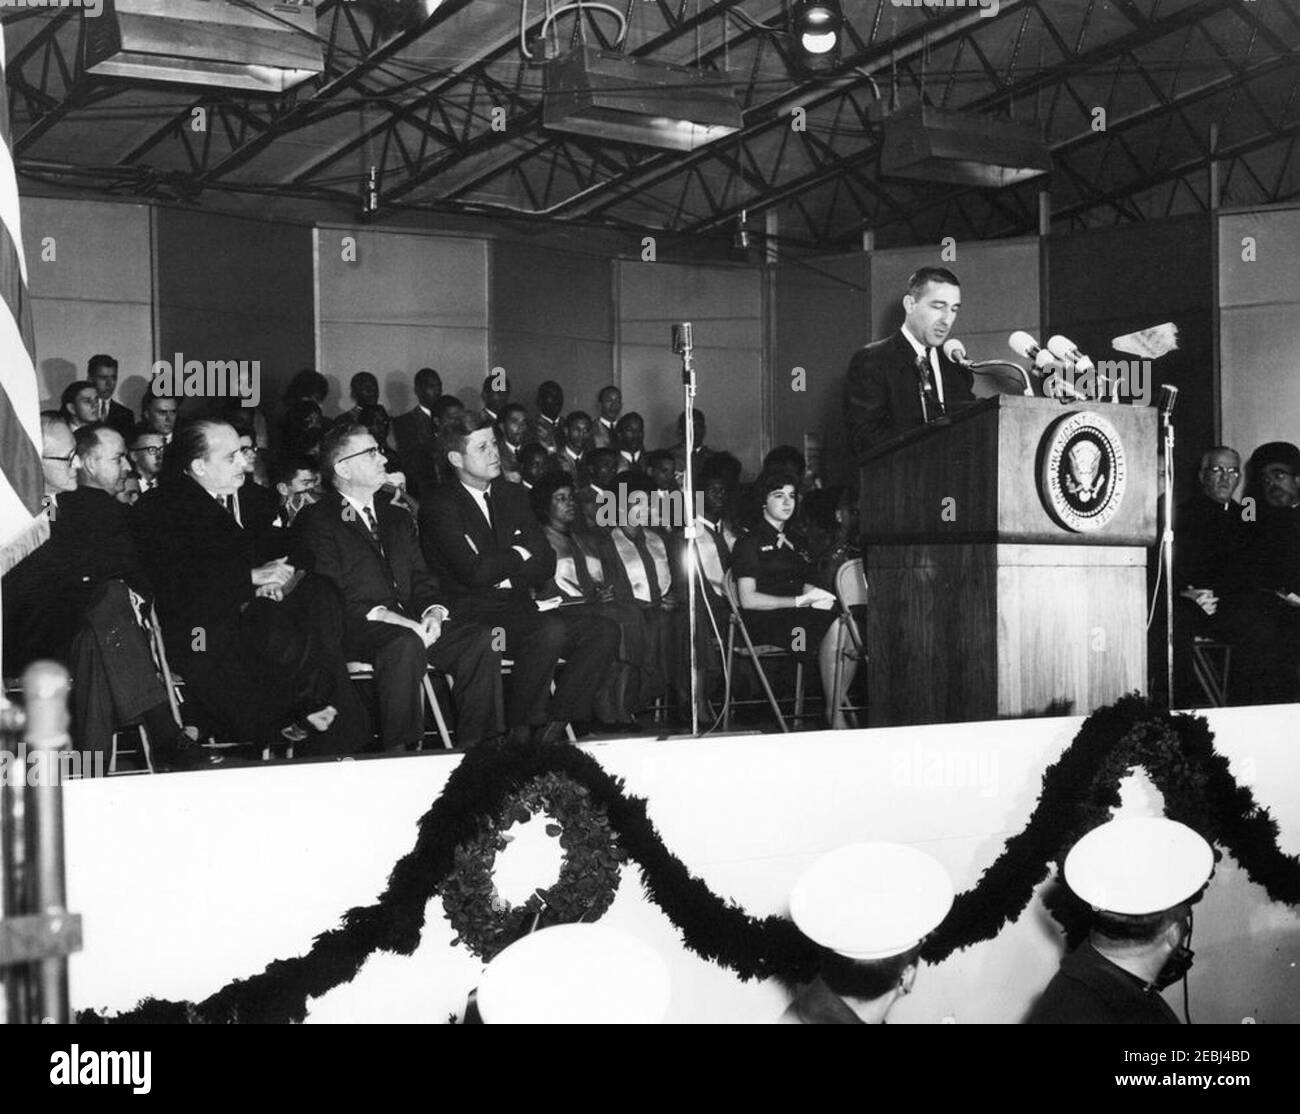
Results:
[432, 697]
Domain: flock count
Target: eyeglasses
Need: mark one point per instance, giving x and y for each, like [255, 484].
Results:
[1218, 473]
[152, 450]
[372, 451]
[62, 459]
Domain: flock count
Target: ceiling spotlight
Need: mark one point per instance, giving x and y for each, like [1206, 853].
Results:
[816, 26]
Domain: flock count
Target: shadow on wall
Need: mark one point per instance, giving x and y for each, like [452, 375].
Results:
[56, 374]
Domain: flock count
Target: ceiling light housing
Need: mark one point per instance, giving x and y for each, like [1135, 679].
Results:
[817, 26]
[969, 150]
[631, 100]
[264, 46]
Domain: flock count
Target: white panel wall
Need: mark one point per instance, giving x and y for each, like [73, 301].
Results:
[1259, 328]
[95, 294]
[190, 880]
[725, 306]
[408, 301]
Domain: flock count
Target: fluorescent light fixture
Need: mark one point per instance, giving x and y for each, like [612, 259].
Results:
[964, 149]
[631, 100]
[262, 45]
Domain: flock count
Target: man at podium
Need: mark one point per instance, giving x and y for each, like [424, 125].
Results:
[905, 380]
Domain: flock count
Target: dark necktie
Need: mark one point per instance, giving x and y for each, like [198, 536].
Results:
[228, 503]
[926, 371]
[372, 525]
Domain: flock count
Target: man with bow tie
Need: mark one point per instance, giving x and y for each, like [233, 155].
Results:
[904, 381]
[395, 615]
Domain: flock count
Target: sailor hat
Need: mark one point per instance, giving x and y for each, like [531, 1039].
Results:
[1138, 865]
[575, 974]
[871, 900]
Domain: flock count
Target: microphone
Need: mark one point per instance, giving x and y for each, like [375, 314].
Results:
[956, 352]
[682, 338]
[1168, 399]
[1027, 348]
[1064, 349]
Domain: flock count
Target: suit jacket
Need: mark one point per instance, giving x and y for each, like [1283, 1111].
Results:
[546, 433]
[336, 543]
[416, 445]
[880, 392]
[602, 436]
[259, 511]
[471, 558]
[47, 593]
[200, 562]
[120, 419]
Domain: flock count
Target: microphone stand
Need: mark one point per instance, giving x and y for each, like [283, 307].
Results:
[1167, 537]
[982, 366]
[688, 494]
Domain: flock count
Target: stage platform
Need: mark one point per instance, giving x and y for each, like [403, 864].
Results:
[188, 881]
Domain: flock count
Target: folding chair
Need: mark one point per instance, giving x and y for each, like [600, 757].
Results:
[1213, 682]
[365, 671]
[754, 654]
[850, 591]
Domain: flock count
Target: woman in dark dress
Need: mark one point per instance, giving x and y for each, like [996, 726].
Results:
[780, 603]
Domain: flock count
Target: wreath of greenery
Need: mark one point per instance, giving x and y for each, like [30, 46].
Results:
[588, 879]
[1078, 792]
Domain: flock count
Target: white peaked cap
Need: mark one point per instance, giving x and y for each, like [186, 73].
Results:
[1138, 865]
[575, 974]
[871, 900]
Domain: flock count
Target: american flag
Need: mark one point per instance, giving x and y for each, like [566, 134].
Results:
[22, 526]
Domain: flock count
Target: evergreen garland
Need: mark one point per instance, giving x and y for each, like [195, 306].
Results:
[1078, 792]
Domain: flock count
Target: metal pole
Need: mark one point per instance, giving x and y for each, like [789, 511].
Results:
[13, 888]
[688, 492]
[1169, 556]
[46, 685]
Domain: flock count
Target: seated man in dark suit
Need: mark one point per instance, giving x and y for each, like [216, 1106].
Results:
[394, 614]
[886, 380]
[416, 431]
[1210, 538]
[259, 646]
[480, 536]
[48, 596]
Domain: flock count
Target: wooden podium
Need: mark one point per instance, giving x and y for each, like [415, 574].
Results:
[1006, 551]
